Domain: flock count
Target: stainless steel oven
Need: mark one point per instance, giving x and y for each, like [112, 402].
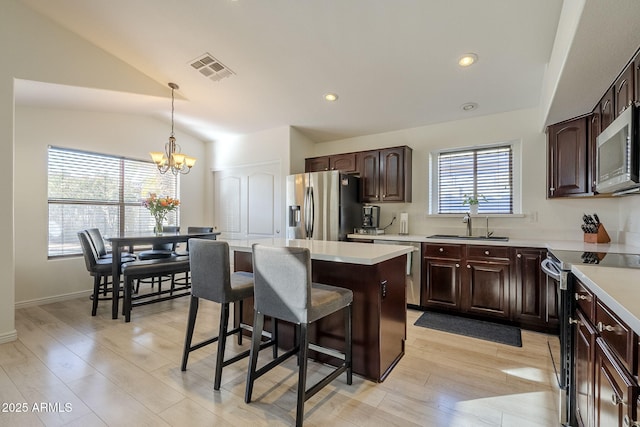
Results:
[556, 269]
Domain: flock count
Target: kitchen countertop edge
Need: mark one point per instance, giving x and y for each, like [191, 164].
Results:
[334, 251]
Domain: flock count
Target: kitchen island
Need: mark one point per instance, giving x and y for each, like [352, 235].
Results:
[375, 274]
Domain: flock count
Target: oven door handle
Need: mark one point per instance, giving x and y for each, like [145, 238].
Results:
[551, 269]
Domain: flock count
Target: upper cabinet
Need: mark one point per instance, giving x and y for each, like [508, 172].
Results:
[572, 144]
[568, 158]
[623, 88]
[342, 162]
[607, 109]
[385, 174]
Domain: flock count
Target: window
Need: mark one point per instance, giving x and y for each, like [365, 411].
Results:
[90, 190]
[487, 172]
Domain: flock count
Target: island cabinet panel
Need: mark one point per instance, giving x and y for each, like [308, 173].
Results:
[379, 313]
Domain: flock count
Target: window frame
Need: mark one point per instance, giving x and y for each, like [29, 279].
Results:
[433, 187]
[120, 204]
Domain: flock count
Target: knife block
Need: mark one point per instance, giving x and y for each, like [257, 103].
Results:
[600, 237]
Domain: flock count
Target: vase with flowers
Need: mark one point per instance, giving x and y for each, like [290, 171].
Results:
[473, 200]
[159, 208]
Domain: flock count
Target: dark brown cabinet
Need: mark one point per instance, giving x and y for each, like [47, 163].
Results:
[623, 89]
[385, 175]
[568, 158]
[369, 170]
[604, 355]
[490, 282]
[607, 108]
[636, 77]
[342, 162]
[486, 281]
[395, 174]
[615, 390]
[316, 164]
[594, 131]
[441, 277]
[585, 339]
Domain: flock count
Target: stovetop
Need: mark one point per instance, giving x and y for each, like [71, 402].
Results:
[605, 259]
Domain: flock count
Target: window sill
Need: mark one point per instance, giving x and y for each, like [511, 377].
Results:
[480, 215]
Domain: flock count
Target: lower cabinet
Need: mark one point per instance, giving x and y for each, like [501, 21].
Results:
[604, 389]
[486, 288]
[585, 338]
[443, 275]
[615, 390]
[492, 282]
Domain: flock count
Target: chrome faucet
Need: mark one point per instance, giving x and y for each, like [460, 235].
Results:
[467, 219]
[489, 233]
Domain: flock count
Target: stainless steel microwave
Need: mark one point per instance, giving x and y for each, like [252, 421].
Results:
[618, 153]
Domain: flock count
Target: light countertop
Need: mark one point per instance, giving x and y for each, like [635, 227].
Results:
[347, 252]
[569, 245]
[615, 287]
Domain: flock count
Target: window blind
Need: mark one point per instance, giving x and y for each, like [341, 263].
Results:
[482, 172]
[91, 190]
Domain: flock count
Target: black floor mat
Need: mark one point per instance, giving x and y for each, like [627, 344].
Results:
[484, 330]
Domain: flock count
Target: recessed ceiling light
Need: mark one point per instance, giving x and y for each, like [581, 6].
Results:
[330, 97]
[467, 59]
[469, 106]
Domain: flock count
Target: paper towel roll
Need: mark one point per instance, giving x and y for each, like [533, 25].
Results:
[404, 223]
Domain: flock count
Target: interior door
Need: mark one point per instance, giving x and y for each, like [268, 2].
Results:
[248, 201]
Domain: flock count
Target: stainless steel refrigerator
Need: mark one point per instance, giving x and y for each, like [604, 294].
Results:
[322, 205]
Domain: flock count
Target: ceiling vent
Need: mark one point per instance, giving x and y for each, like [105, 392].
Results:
[210, 67]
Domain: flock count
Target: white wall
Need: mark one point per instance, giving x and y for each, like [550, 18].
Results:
[37, 278]
[34, 48]
[545, 219]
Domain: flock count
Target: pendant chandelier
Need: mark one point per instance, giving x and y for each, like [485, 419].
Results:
[172, 158]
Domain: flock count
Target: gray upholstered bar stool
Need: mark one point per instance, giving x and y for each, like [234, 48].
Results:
[211, 279]
[284, 290]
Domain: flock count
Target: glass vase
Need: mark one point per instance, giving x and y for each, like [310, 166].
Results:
[473, 209]
[159, 227]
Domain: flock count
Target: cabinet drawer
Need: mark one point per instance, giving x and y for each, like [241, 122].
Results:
[443, 251]
[617, 335]
[482, 252]
[586, 301]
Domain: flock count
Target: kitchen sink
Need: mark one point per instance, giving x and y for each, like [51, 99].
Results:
[454, 236]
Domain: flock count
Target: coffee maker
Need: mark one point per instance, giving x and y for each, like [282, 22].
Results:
[370, 216]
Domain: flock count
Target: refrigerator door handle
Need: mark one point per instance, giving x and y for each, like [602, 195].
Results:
[308, 212]
[311, 216]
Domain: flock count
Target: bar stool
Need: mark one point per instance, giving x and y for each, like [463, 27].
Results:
[211, 279]
[284, 290]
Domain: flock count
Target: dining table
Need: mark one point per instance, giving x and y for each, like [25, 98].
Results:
[138, 239]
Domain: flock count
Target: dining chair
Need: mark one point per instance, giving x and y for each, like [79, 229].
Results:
[98, 243]
[186, 279]
[283, 290]
[99, 268]
[212, 280]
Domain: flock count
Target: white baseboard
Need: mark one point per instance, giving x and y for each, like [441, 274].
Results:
[8, 336]
[49, 300]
